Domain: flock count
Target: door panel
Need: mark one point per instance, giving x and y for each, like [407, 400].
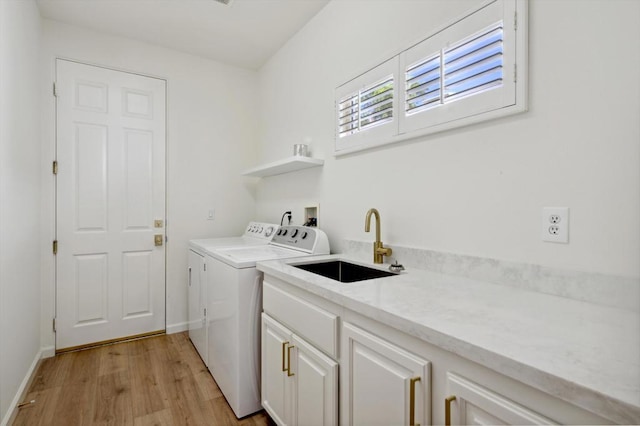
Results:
[316, 383]
[137, 284]
[91, 288]
[138, 183]
[477, 405]
[379, 381]
[110, 277]
[91, 184]
[276, 389]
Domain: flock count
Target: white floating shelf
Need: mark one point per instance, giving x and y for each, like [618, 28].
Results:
[286, 165]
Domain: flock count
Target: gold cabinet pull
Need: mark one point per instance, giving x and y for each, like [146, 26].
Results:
[289, 373]
[412, 401]
[447, 409]
[284, 347]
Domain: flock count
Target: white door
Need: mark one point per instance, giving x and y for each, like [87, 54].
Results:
[316, 386]
[472, 404]
[385, 385]
[110, 277]
[197, 302]
[276, 388]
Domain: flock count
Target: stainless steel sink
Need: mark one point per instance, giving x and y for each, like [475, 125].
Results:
[344, 272]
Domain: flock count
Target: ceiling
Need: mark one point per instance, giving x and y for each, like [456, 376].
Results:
[245, 33]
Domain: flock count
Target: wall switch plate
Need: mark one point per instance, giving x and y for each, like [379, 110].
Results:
[211, 215]
[555, 224]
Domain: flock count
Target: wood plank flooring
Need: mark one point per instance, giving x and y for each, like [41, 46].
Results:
[155, 381]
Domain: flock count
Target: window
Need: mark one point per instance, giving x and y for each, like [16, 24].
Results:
[366, 107]
[370, 107]
[461, 74]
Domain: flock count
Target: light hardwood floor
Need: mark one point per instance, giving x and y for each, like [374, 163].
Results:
[154, 381]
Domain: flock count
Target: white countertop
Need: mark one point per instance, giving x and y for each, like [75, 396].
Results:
[583, 353]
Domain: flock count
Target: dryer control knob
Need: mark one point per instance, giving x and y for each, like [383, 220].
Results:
[304, 235]
[295, 232]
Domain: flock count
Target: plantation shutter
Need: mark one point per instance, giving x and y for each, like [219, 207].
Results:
[366, 107]
[474, 65]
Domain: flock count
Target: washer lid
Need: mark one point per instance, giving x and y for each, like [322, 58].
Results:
[246, 257]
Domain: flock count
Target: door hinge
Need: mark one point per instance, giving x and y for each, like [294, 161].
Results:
[515, 73]
[55, 89]
[53, 324]
[205, 312]
[54, 167]
[205, 266]
[515, 21]
[55, 246]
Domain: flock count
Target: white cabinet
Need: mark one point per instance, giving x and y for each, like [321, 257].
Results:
[472, 404]
[382, 384]
[299, 383]
[197, 303]
[386, 376]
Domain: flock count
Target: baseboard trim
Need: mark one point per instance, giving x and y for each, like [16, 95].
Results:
[48, 352]
[177, 328]
[10, 417]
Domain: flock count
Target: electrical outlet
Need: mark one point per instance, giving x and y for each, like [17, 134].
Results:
[211, 215]
[555, 224]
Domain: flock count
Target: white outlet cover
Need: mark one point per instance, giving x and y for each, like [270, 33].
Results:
[554, 230]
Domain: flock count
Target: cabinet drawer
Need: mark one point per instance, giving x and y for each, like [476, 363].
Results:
[305, 319]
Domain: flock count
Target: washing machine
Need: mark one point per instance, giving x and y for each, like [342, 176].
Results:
[234, 304]
[200, 251]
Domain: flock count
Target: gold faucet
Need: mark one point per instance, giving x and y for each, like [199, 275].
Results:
[379, 251]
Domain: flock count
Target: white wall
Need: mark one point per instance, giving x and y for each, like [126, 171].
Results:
[19, 197]
[478, 190]
[211, 135]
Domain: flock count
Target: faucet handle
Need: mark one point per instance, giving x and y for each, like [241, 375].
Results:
[379, 251]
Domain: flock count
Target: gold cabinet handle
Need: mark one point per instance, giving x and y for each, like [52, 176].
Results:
[412, 401]
[284, 347]
[289, 373]
[447, 409]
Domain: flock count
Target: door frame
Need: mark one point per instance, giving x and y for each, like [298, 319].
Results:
[49, 197]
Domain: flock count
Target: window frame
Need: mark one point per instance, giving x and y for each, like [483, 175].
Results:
[510, 98]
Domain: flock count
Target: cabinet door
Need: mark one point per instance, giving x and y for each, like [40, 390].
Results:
[476, 405]
[316, 386]
[197, 301]
[385, 384]
[276, 386]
